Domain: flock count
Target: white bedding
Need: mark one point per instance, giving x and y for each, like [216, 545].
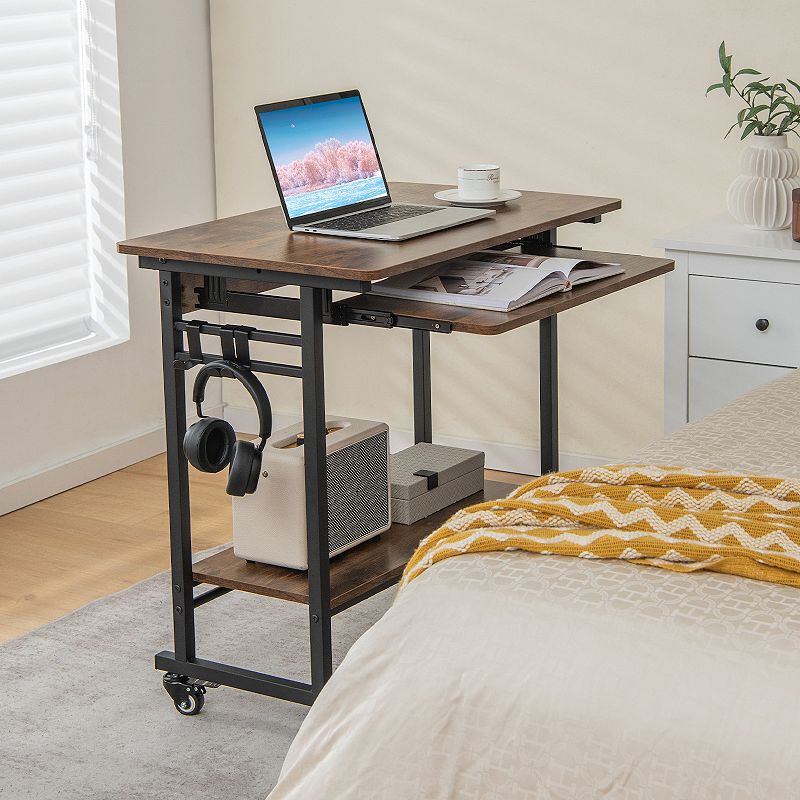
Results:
[512, 675]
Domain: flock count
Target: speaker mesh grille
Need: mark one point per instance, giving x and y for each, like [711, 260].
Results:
[358, 501]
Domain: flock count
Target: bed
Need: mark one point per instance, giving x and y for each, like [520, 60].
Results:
[514, 675]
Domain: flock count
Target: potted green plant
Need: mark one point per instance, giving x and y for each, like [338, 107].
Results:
[761, 196]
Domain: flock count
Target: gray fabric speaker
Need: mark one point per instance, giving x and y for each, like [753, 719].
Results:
[269, 526]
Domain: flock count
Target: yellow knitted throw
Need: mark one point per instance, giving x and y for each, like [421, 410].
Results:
[671, 517]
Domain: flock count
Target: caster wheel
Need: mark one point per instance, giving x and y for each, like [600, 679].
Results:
[189, 698]
[191, 703]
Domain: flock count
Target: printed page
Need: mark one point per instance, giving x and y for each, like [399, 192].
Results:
[544, 265]
[469, 283]
[496, 283]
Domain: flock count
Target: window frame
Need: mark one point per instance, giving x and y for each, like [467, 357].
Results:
[108, 324]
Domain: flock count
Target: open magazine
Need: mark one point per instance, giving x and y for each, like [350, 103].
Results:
[494, 280]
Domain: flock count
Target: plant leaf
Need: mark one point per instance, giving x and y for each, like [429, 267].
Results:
[749, 129]
[754, 89]
[746, 71]
[735, 124]
[713, 86]
[726, 84]
[724, 59]
[794, 84]
[752, 112]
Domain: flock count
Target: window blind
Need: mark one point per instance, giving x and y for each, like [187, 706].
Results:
[46, 298]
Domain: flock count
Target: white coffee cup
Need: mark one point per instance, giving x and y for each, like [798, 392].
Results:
[479, 182]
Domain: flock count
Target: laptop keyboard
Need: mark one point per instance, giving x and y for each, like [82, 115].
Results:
[377, 216]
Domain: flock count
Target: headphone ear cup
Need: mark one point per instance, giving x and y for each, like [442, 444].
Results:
[209, 444]
[245, 469]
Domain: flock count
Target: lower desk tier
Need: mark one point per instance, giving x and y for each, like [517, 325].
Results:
[355, 575]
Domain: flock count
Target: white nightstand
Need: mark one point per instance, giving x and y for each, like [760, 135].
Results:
[732, 316]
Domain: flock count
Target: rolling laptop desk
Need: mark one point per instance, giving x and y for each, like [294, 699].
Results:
[224, 265]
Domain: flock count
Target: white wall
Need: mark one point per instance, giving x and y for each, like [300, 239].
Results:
[592, 98]
[76, 420]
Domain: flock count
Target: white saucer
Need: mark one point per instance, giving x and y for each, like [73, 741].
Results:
[451, 196]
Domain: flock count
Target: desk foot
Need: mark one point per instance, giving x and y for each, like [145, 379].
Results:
[188, 695]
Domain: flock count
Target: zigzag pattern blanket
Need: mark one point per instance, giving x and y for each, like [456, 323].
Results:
[675, 518]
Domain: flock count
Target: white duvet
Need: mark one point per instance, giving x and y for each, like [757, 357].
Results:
[511, 675]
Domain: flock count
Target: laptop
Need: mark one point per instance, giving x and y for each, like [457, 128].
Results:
[329, 175]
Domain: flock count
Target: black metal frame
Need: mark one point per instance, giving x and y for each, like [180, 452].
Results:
[183, 661]
[421, 362]
[548, 368]
[313, 309]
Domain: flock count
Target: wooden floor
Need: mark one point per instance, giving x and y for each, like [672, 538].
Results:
[99, 538]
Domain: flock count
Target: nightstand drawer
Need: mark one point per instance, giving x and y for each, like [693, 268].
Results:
[725, 317]
[712, 384]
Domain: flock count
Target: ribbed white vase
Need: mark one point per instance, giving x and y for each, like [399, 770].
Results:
[761, 197]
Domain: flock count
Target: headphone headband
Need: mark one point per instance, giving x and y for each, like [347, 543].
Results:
[226, 369]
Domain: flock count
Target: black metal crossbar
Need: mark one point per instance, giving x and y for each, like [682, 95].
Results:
[227, 675]
[210, 594]
[271, 337]
[184, 360]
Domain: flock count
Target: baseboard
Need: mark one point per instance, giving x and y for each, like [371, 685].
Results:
[59, 477]
[86, 467]
[499, 456]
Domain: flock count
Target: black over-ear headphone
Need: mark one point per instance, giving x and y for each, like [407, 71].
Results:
[211, 444]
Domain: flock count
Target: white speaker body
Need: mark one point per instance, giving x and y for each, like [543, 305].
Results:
[269, 525]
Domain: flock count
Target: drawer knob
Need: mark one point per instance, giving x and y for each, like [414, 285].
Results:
[762, 324]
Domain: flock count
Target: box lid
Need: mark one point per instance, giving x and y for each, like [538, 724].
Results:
[449, 462]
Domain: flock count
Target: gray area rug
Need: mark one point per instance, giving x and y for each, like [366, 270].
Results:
[83, 714]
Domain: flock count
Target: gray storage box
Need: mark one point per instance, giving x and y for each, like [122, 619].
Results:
[429, 477]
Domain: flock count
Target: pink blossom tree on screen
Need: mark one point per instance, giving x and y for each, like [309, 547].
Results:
[328, 164]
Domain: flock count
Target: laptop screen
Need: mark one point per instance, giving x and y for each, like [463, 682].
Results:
[323, 155]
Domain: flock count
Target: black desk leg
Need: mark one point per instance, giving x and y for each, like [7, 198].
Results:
[319, 583]
[423, 426]
[548, 393]
[180, 534]
[548, 368]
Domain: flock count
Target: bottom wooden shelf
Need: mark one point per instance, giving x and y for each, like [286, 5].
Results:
[356, 574]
